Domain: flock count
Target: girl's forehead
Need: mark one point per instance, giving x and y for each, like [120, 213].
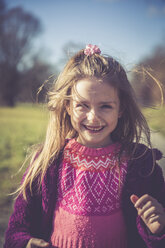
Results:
[93, 89]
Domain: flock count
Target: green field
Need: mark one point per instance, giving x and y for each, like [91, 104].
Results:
[20, 128]
[156, 119]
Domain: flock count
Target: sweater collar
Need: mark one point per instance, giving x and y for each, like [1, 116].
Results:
[76, 147]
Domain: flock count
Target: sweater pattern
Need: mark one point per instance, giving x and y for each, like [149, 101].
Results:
[90, 183]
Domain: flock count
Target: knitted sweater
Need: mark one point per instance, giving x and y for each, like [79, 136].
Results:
[33, 218]
[88, 210]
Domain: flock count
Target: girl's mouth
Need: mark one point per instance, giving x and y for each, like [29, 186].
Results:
[93, 129]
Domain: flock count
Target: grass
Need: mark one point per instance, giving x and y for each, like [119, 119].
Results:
[20, 128]
[156, 119]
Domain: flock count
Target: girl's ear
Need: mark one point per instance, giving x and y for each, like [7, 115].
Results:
[121, 111]
[120, 114]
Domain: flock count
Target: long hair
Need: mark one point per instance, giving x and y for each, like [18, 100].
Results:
[130, 127]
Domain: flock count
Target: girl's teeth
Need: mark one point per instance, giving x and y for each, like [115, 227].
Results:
[94, 128]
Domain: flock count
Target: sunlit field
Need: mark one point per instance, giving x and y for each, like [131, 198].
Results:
[156, 119]
[20, 128]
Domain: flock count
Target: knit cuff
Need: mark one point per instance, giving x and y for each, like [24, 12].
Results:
[151, 240]
[17, 240]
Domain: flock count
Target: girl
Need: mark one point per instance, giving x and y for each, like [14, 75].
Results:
[91, 184]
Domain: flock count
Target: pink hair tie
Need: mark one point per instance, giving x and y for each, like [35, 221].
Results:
[91, 49]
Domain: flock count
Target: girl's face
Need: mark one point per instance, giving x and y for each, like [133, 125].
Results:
[94, 112]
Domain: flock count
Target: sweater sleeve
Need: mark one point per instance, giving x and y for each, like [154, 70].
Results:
[158, 192]
[18, 231]
[25, 221]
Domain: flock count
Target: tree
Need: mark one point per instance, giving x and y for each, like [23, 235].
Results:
[40, 74]
[17, 30]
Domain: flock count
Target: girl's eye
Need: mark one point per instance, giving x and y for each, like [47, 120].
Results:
[106, 106]
[80, 105]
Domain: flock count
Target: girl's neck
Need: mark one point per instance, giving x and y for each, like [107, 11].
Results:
[109, 142]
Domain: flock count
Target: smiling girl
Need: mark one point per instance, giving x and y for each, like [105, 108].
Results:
[91, 183]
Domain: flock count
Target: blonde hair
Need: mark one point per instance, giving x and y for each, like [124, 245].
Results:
[130, 126]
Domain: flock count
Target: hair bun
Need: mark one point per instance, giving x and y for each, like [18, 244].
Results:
[91, 49]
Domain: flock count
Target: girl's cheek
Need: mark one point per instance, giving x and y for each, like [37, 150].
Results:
[79, 114]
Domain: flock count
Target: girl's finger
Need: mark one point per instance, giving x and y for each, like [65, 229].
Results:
[134, 198]
[151, 212]
[35, 243]
[147, 207]
[143, 200]
[154, 218]
[40, 243]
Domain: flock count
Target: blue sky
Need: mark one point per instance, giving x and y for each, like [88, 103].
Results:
[126, 29]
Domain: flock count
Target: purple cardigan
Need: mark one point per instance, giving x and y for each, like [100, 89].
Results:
[33, 218]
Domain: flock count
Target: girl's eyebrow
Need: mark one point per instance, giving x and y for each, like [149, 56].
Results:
[109, 102]
[100, 103]
[80, 101]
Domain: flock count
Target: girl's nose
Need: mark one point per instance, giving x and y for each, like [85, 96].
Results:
[92, 115]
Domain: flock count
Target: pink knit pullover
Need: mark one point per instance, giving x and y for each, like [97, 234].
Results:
[88, 211]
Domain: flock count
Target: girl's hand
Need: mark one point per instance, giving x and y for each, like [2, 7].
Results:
[151, 212]
[35, 243]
